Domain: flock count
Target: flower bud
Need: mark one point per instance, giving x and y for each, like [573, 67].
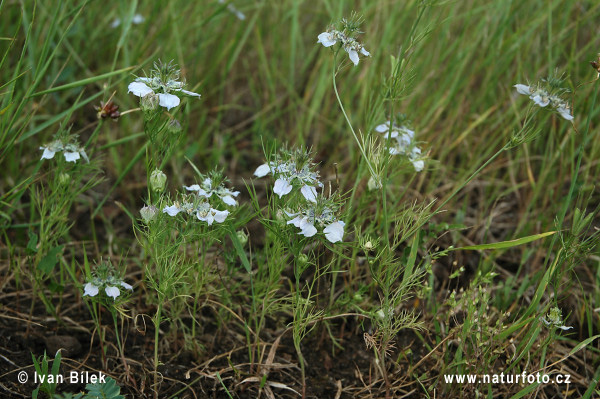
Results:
[174, 126]
[149, 103]
[303, 259]
[148, 213]
[242, 237]
[158, 180]
[64, 179]
[374, 184]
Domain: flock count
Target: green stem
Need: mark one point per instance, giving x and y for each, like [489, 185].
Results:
[337, 95]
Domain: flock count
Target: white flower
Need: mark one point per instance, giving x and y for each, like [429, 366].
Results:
[126, 286]
[542, 98]
[71, 151]
[207, 190]
[143, 86]
[296, 171]
[112, 292]
[309, 217]
[90, 290]
[349, 44]
[403, 143]
[212, 215]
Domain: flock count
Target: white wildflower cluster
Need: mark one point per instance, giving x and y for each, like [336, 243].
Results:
[543, 98]
[72, 151]
[104, 277]
[349, 44]
[162, 82]
[198, 203]
[311, 212]
[320, 214]
[403, 144]
[554, 319]
[294, 170]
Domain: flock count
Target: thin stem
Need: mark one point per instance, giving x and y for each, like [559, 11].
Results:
[337, 95]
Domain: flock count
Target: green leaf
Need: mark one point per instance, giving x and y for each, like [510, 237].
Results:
[583, 344]
[240, 250]
[32, 244]
[507, 244]
[107, 390]
[50, 260]
[83, 82]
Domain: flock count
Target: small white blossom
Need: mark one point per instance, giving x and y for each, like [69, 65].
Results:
[163, 82]
[311, 216]
[71, 151]
[202, 210]
[554, 319]
[403, 144]
[207, 189]
[105, 277]
[293, 172]
[349, 44]
[542, 98]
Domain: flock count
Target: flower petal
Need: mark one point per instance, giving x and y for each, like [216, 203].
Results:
[353, 56]
[72, 156]
[139, 89]
[228, 199]
[309, 192]
[219, 216]
[523, 89]
[565, 113]
[172, 210]
[364, 52]
[90, 289]
[168, 100]
[384, 127]
[334, 232]
[419, 164]
[308, 229]
[295, 221]
[282, 187]
[541, 101]
[327, 39]
[112, 292]
[48, 153]
[262, 170]
[126, 286]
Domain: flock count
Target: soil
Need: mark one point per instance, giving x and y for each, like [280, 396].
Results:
[346, 370]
